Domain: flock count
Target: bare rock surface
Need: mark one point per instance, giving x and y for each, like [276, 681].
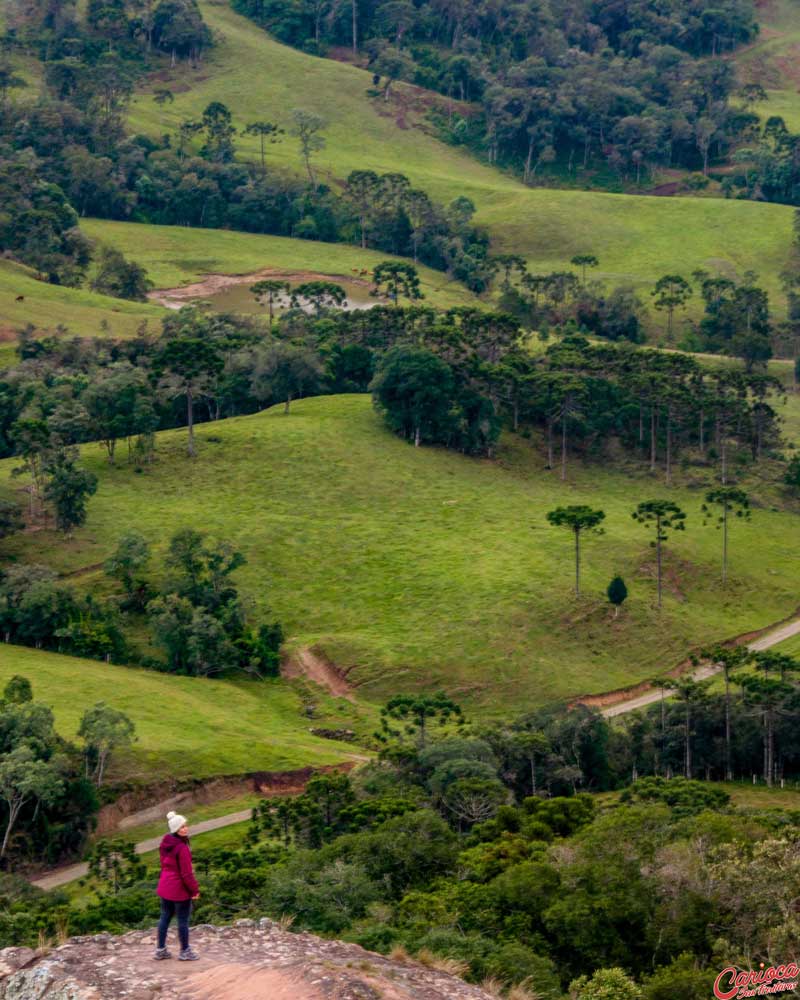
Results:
[252, 960]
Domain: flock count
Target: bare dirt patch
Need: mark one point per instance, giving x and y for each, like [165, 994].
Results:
[213, 284]
[314, 666]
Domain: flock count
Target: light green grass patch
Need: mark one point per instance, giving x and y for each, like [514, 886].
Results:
[791, 647]
[185, 726]
[772, 61]
[420, 568]
[175, 255]
[82, 312]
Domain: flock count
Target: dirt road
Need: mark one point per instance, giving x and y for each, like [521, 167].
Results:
[779, 634]
[61, 876]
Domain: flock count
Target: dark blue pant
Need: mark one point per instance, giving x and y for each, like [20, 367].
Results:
[183, 911]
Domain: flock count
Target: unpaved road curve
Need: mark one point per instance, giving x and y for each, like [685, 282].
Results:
[772, 638]
[64, 875]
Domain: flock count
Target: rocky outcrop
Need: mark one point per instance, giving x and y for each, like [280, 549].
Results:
[252, 960]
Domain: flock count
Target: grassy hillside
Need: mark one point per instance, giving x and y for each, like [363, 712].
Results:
[636, 238]
[774, 60]
[174, 255]
[84, 313]
[186, 727]
[423, 568]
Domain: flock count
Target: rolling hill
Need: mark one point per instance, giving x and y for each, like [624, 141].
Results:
[24, 299]
[186, 727]
[637, 238]
[175, 255]
[421, 568]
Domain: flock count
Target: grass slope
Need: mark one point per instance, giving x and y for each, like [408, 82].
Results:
[186, 727]
[422, 568]
[84, 313]
[773, 62]
[174, 255]
[636, 238]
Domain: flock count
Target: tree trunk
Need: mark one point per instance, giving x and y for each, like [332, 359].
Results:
[669, 447]
[190, 421]
[702, 432]
[724, 459]
[728, 767]
[652, 439]
[528, 162]
[354, 9]
[13, 813]
[658, 561]
[770, 757]
[724, 543]
[688, 748]
[563, 444]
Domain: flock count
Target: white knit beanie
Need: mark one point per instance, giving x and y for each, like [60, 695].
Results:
[175, 821]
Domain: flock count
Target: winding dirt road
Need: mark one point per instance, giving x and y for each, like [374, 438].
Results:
[62, 876]
[772, 638]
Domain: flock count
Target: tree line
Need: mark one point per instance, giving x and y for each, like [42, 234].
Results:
[453, 377]
[194, 616]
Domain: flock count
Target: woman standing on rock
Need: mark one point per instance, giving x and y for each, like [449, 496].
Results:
[177, 887]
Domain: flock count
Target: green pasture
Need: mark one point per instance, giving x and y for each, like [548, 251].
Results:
[186, 727]
[175, 255]
[772, 61]
[420, 568]
[82, 312]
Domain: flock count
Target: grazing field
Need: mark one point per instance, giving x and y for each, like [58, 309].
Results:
[422, 568]
[186, 727]
[636, 238]
[175, 255]
[82, 312]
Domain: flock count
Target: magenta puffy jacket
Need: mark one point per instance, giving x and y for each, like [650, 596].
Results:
[177, 882]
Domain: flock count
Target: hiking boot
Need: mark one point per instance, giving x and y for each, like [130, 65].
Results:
[188, 956]
[161, 954]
